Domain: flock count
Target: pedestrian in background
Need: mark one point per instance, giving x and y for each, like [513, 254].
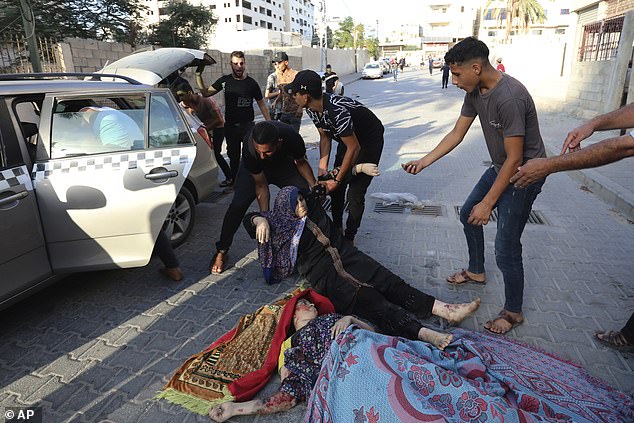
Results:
[511, 131]
[209, 113]
[431, 64]
[272, 93]
[395, 70]
[240, 91]
[445, 74]
[604, 152]
[500, 66]
[290, 112]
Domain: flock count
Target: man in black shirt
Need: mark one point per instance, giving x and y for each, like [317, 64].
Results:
[274, 154]
[359, 134]
[240, 91]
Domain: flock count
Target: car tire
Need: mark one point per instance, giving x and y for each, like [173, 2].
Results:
[181, 217]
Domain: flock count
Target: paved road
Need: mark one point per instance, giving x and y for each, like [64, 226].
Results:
[98, 346]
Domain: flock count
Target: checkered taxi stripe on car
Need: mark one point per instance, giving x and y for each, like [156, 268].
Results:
[144, 160]
[13, 177]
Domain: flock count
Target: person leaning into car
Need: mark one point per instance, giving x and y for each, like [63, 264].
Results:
[240, 91]
[275, 153]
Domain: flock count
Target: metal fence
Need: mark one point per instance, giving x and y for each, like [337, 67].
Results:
[14, 55]
[601, 40]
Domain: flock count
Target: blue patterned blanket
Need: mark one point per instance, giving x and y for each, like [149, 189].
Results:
[373, 378]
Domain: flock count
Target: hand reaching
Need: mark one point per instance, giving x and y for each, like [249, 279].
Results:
[369, 169]
[530, 172]
[413, 167]
[262, 229]
[574, 137]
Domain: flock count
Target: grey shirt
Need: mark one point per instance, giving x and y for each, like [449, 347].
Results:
[506, 110]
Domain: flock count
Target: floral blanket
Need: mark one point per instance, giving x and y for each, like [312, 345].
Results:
[372, 378]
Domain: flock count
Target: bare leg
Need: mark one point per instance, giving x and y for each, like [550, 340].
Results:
[437, 339]
[279, 401]
[454, 313]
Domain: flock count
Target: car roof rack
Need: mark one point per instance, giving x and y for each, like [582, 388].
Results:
[52, 75]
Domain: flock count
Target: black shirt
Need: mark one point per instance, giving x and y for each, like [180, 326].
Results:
[344, 116]
[291, 148]
[239, 96]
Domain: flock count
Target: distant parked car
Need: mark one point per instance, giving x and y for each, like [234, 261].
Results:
[385, 65]
[437, 63]
[372, 70]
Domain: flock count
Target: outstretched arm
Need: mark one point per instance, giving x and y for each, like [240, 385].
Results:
[621, 118]
[448, 143]
[603, 152]
[204, 90]
[280, 401]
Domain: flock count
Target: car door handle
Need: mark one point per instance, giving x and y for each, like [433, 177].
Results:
[13, 198]
[162, 175]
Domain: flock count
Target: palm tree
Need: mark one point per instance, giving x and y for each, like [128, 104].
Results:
[519, 14]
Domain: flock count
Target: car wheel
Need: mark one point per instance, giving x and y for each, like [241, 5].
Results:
[180, 219]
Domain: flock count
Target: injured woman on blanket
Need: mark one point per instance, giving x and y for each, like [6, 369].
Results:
[309, 344]
[299, 234]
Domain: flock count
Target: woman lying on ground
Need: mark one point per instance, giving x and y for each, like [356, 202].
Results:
[300, 234]
[302, 361]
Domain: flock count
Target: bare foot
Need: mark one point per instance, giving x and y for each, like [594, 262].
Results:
[217, 264]
[437, 339]
[455, 313]
[174, 273]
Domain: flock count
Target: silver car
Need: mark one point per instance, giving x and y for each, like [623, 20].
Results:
[73, 198]
[372, 70]
[158, 68]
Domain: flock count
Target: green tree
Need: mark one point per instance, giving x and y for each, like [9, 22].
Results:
[185, 26]
[348, 35]
[107, 20]
[372, 45]
[519, 14]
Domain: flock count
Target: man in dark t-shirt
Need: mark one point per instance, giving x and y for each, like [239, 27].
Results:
[359, 135]
[274, 154]
[240, 91]
[511, 131]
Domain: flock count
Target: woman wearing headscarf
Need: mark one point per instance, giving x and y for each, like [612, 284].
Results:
[297, 234]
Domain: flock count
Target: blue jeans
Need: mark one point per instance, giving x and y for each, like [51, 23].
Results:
[514, 207]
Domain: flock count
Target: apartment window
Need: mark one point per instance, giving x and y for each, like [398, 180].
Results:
[292, 19]
[262, 10]
[564, 12]
[247, 19]
[560, 31]
[493, 14]
[492, 33]
[237, 3]
[269, 25]
[600, 40]
[268, 12]
[263, 24]
[246, 4]
[237, 18]
[461, 9]
[536, 32]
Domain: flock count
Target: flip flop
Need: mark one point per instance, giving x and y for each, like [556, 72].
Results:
[614, 339]
[465, 278]
[503, 315]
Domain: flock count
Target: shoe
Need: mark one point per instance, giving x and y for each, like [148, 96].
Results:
[508, 318]
[462, 277]
[614, 339]
[174, 273]
[226, 183]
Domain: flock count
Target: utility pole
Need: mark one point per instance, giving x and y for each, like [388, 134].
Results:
[354, 42]
[28, 20]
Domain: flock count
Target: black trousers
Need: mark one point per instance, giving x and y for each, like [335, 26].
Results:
[164, 250]
[628, 329]
[218, 136]
[244, 194]
[390, 303]
[235, 135]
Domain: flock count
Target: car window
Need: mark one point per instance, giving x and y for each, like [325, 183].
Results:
[97, 125]
[167, 127]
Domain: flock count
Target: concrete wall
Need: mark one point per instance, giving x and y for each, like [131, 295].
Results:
[597, 87]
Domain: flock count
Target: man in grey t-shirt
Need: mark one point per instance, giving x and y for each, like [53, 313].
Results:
[511, 131]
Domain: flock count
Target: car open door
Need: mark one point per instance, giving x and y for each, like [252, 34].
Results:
[112, 167]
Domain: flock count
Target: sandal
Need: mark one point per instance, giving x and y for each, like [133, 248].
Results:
[461, 277]
[613, 339]
[506, 317]
[218, 261]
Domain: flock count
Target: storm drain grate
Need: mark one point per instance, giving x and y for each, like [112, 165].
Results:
[535, 217]
[388, 208]
[433, 210]
[427, 210]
